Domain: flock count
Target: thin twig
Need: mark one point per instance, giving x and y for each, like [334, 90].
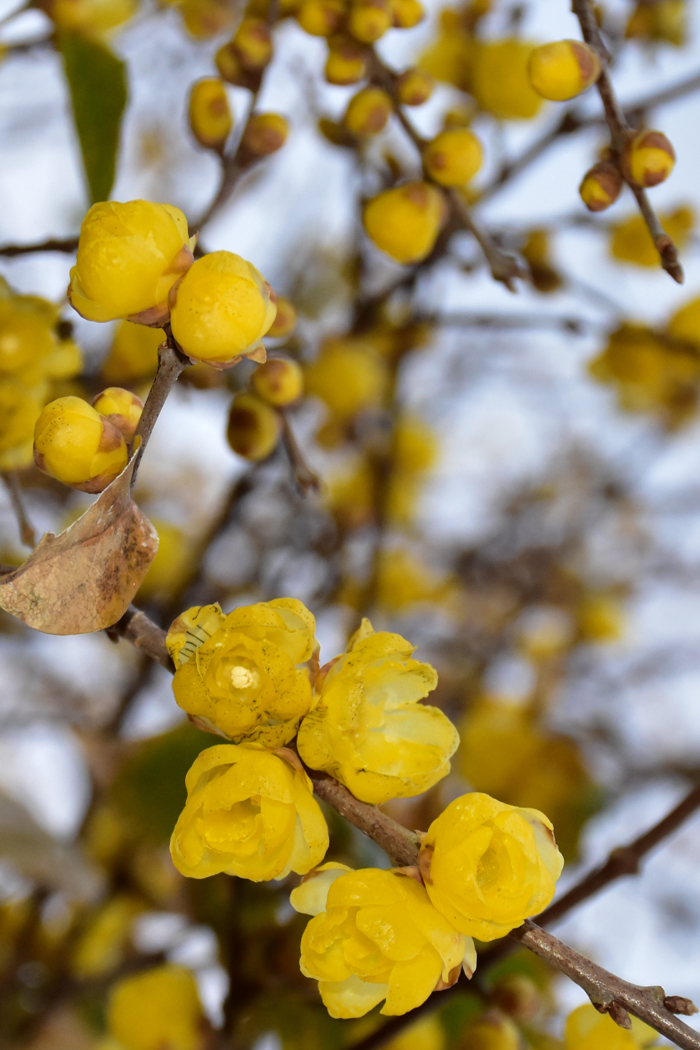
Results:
[305, 478]
[14, 490]
[574, 325]
[619, 132]
[171, 362]
[68, 245]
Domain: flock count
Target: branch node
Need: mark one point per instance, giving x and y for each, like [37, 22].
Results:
[678, 1004]
[617, 1013]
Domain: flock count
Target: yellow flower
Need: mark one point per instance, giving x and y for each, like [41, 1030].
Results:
[450, 58]
[491, 1031]
[279, 381]
[600, 618]
[120, 407]
[648, 158]
[631, 242]
[500, 82]
[563, 69]
[223, 308]
[171, 567]
[368, 111]
[129, 257]
[348, 376]
[488, 866]
[156, 1009]
[102, 945]
[685, 323]
[427, 1033]
[133, 355]
[587, 1029]
[368, 729]
[263, 135]
[236, 674]
[210, 114]
[403, 581]
[253, 427]
[19, 410]
[414, 87]
[404, 221]
[375, 935]
[249, 813]
[76, 445]
[660, 22]
[601, 186]
[453, 157]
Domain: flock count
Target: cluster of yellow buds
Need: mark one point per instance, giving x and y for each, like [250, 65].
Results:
[135, 261]
[242, 60]
[86, 446]
[36, 353]
[393, 936]
[360, 21]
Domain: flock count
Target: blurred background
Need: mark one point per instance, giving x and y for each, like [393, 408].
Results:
[511, 481]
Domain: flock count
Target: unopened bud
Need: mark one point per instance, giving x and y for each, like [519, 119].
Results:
[253, 427]
[414, 87]
[517, 996]
[601, 186]
[76, 445]
[563, 69]
[453, 157]
[346, 62]
[264, 134]
[120, 407]
[368, 111]
[405, 14]
[285, 320]
[210, 114]
[320, 17]
[405, 221]
[369, 20]
[231, 69]
[253, 43]
[279, 381]
[648, 158]
[490, 1031]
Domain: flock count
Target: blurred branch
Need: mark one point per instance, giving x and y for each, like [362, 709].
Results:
[143, 633]
[575, 325]
[304, 476]
[619, 132]
[68, 245]
[14, 490]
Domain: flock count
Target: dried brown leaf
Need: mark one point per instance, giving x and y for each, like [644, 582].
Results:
[84, 579]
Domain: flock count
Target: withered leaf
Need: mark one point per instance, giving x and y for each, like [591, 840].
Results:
[84, 579]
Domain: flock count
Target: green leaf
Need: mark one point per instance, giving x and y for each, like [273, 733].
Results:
[97, 82]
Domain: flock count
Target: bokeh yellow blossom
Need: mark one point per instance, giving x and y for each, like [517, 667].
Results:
[588, 1029]
[156, 1009]
[630, 240]
[375, 936]
[488, 866]
[249, 813]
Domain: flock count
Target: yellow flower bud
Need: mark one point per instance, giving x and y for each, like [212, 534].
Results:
[279, 381]
[244, 683]
[491, 1031]
[223, 308]
[76, 445]
[156, 1009]
[249, 813]
[414, 87]
[367, 728]
[120, 407]
[375, 936]
[648, 158]
[600, 618]
[601, 186]
[253, 428]
[346, 62]
[264, 134]
[405, 14]
[405, 221]
[103, 943]
[631, 241]
[206, 18]
[172, 566]
[27, 339]
[285, 320]
[210, 114]
[253, 43]
[347, 376]
[500, 82]
[320, 17]
[19, 411]
[133, 355]
[368, 111]
[453, 157]
[487, 866]
[563, 69]
[129, 257]
[660, 22]
[517, 996]
[537, 253]
[427, 1033]
[230, 69]
[588, 1029]
[369, 20]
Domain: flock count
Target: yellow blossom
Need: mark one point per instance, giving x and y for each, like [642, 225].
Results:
[250, 813]
[133, 355]
[491, 1031]
[563, 69]
[488, 866]
[103, 943]
[405, 221]
[685, 323]
[211, 119]
[600, 618]
[172, 565]
[129, 257]
[76, 445]
[500, 81]
[19, 410]
[223, 308]
[403, 581]
[450, 57]
[453, 157]
[156, 1009]
[631, 242]
[661, 22]
[588, 1029]
[279, 381]
[427, 1033]
[253, 427]
[348, 376]
[375, 936]
[369, 730]
[236, 674]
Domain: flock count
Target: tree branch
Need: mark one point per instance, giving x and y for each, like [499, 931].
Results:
[68, 245]
[171, 362]
[14, 490]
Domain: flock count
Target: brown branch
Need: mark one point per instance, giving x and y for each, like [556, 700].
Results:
[304, 476]
[504, 266]
[619, 132]
[68, 245]
[171, 362]
[609, 993]
[14, 490]
[574, 325]
[144, 634]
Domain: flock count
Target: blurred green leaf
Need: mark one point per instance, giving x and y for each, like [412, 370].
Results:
[97, 82]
